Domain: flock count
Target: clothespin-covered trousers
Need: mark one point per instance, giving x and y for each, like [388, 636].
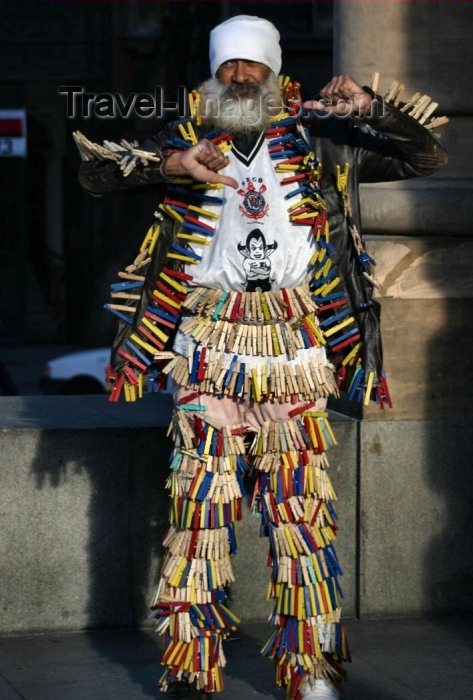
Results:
[251, 381]
[217, 441]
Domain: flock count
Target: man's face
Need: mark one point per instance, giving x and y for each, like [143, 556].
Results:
[242, 97]
[238, 71]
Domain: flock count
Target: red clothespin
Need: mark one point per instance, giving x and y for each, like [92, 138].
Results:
[117, 389]
[110, 375]
[301, 409]
[178, 275]
[379, 394]
[168, 307]
[276, 131]
[310, 335]
[320, 224]
[348, 341]
[132, 360]
[152, 338]
[316, 514]
[175, 203]
[274, 508]
[166, 608]
[384, 385]
[342, 376]
[130, 375]
[200, 223]
[256, 495]
[332, 305]
[295, 178]
[236, 307]
[175, 296]
[159, 320]
[241, 431]
[199, 427]
[192, 545]
[222, 137]
[290, 312]
[219, 443]
[189, 397]
[202, 365]
[290, 161]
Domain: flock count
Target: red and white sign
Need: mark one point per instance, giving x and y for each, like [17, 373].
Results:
[12, 133]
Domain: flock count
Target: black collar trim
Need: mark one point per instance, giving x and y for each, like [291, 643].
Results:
[246, 158]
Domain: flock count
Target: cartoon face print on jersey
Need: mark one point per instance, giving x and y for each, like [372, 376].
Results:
[254, 204]
[256, 264]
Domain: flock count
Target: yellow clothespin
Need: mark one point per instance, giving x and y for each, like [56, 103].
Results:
[368, 389]
[188, 134]
[342, 179]
[174, 214]
[192, 133]
[316, 171]
[225, 146]
[350, 358]
[301, 202]
[148, 238]
[310, 157]
[194, 239]
[204, 212]
[195, 106]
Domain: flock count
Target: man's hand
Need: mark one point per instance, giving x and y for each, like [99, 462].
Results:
[201, 162]
[342, 96]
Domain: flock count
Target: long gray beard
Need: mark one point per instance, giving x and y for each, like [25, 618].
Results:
[240, 108]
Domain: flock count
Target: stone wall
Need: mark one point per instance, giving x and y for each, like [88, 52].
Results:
[83, 509]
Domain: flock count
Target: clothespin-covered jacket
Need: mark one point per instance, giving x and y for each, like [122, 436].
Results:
[388, 145]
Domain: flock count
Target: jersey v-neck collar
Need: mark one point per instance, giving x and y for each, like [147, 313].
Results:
[246, 147]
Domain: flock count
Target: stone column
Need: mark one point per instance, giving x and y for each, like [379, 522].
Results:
[414, 498]
[420, 231]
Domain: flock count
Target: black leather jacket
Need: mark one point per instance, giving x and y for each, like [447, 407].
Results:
[391, 146]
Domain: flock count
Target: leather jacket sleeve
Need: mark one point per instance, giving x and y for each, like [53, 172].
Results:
[400, 148]
[99, 177]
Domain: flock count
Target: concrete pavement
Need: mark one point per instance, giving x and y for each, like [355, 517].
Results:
[392, 660]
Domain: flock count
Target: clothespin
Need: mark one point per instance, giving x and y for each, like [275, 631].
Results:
[195, 106]
[120, 315]
[369, 386]
[374, 81]
[189, 133]
[342, 179]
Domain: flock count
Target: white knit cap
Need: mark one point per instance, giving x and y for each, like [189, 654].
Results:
[247, 37]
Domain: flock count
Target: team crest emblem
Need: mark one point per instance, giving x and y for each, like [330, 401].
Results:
[254, 204]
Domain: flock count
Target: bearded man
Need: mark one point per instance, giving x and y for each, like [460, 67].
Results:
[253, 366]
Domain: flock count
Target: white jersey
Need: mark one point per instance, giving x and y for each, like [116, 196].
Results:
[255, 247]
